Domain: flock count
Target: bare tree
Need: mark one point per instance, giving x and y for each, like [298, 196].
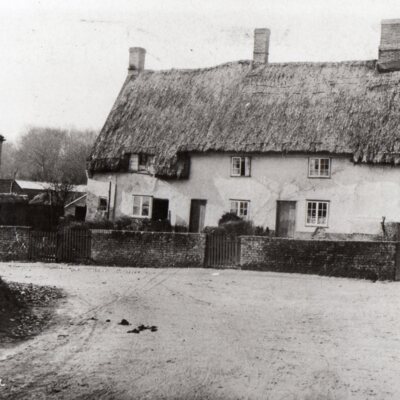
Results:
[39, 152]
[53, 155]
[9, 166]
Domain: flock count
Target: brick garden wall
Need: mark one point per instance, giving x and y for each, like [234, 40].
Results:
[358, 259]
[14, 243]
[148, 249]
[371, 260]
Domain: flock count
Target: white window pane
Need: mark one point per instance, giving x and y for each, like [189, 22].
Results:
[236, 166]
[234, 207]
[317, 213]
[146, 201]
[136, 205]
[145, 210]
[322, 213]
[247, 166]
[134, 162]
[146, 206]
[325, 167]
[245, 205]
[311, 212]
[314, 166]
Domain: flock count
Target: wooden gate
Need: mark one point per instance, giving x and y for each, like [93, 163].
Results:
[222, 250]
[68, 245]
[43, 246]
[74, 245]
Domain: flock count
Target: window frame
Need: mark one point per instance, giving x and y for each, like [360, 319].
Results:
[131, 156]
[141, 206]
[148, 162]
[145, 167]
[98, 205]
[319, 176]
[328, 207]
[246, 160]
[245, 218]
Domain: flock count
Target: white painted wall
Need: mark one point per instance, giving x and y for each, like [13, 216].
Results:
[359, 195]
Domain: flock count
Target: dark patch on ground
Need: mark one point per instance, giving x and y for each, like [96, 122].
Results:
[124, 322]
[25, 309]
[141, 328]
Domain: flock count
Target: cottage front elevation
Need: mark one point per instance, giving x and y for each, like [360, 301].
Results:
[295, 147]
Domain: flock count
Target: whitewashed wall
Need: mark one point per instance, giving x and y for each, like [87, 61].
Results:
[359, 195]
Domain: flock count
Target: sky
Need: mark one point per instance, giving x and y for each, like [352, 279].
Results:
[62, 62]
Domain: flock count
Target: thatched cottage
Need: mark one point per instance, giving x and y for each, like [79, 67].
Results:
[289, 146]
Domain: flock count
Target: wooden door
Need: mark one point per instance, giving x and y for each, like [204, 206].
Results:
[285, 218]
[197, 215]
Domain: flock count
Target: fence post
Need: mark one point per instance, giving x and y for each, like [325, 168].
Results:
[397, 262]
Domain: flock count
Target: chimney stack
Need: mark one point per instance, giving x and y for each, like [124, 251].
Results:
[136, 59]
[389, 49]
[2, 139]
[261, 46]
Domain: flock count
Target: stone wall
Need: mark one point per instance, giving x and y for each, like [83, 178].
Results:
[14, 243]
[148, 249]
[357, 259]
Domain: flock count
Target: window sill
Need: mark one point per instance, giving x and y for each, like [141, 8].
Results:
[141, 172]
[319, 177]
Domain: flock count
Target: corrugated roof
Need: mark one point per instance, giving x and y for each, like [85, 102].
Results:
[32, 185]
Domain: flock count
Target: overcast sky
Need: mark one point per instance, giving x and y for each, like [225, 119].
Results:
[62, 62]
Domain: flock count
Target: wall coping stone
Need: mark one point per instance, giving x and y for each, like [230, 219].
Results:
[253, 237]
[110, 231]
[15, 226]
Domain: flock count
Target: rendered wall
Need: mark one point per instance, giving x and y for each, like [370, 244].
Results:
[360, 195]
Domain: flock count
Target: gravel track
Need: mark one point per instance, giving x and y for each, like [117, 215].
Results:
[221, 335]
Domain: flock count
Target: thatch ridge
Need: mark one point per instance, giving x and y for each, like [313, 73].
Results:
[298, 107]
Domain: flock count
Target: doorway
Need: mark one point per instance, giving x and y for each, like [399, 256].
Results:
[285, 218]
[160, 209]
[197, 215]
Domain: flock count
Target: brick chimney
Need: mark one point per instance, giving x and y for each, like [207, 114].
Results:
[261, 46]
[136, 59]
[389, 49]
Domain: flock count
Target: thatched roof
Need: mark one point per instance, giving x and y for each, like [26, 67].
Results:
[338, 108]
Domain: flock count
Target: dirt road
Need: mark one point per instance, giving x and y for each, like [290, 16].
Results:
[221, 335]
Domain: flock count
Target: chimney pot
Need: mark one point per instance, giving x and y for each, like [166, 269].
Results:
[389, 49]
[261, 45]
[136, 59]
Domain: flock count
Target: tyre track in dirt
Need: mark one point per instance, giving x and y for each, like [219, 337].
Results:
[135, 290]
[233, 334]
[84, 325]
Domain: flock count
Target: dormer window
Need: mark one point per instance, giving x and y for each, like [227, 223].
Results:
[240, 166]
[319, 167]
[141, 163]
[134, 162]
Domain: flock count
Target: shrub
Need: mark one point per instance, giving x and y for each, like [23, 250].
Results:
[181, 228]
[123, 223]
[228, 217]
[231, 224]
[156, 226]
